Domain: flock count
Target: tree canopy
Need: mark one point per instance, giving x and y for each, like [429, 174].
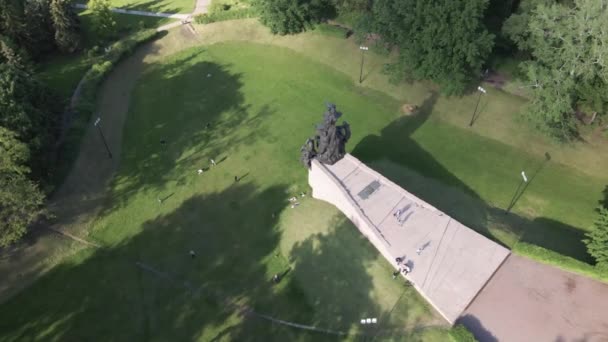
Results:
[66, 24]
[444, 41]
[20, 199]
[568, 66]
[292, 16]
[597, 239]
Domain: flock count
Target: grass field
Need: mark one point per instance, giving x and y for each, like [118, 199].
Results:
[261, 102]
[243, 232]
[165, 6]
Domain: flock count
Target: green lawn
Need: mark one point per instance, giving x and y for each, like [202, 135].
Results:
[165, 6]
[63, 72]
[243, 232]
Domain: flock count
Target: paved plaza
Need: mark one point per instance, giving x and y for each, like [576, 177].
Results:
[450, 263]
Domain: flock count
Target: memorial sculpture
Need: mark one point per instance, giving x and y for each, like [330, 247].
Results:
[327, 146]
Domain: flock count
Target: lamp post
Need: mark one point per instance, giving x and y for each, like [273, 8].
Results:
[524, 179]
[481, 91]
[363, 49]
[103, 138]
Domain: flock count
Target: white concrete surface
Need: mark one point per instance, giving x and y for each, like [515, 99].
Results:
[143, 13]
[456, 261]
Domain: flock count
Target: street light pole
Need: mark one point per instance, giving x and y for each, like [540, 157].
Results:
[103, 138]
[524, 179]
[481, 91]
[363, 49]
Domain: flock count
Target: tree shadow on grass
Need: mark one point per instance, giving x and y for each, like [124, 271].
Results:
[171, 134]
[148, 287]
[400, 158]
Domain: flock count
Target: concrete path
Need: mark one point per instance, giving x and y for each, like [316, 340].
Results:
[528, 301]
[450, 263]
[202, 6]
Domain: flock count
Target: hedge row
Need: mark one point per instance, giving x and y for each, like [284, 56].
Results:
[546, 256]
[85, 102]
[208, 18]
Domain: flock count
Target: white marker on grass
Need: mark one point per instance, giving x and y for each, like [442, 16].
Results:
[523, 175]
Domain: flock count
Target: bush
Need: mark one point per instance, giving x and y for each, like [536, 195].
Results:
[213, 17]
[333, 30]
[460, 333]
[85, 104]
[564, 262]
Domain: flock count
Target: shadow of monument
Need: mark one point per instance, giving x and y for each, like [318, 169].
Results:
[396, 155]
[476, 327]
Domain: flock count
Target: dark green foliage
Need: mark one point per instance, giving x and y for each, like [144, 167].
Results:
[566, 43]
[459, 333]
[332, 30]
[102, 19]
[66, 24]
[444, 41]
[232, 14]
[292, 16]
[32, 112]
[39, 27]
[12, 55]
[20, 199]
[597, 240]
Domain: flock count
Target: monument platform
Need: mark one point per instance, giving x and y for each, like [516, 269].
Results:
[450, 263]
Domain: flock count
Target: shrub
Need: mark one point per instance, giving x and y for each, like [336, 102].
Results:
[460, 333]
[213, 17]
[333, 30]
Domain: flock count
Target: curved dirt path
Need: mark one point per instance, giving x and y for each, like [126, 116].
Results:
[79, 199]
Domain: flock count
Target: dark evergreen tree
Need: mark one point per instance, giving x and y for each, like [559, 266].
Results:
[66, 24]
[40, 27]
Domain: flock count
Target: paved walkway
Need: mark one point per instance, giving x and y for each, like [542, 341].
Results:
[528, 301]
[450, 263]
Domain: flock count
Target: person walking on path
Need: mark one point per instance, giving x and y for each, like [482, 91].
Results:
[213, 162]
[236, 179]
[395, 274]
[192, 254]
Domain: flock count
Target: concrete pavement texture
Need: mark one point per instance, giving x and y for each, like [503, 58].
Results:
[450, 263]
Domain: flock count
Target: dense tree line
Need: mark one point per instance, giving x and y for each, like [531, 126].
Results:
[30, 114]
[451, 41]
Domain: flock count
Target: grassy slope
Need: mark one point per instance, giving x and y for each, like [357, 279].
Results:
[165, 6]
[63, 72]
[243, 232]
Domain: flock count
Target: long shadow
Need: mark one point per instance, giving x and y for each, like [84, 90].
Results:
[476, 327]
[163, 135]
[442, 189]
[148, 287]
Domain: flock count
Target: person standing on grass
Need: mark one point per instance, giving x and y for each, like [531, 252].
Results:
[236, 179]
[213, 162]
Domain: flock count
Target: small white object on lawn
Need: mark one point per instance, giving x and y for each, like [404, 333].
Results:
[364, 48]
[368, 320]
[374, 320]
[482, 90]
[199, 171]
[523, 175]
[363, 321]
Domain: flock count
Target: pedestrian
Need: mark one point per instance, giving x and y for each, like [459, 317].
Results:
[395, 274]
[276, 279]
[418, 251]
[199, 171]
[236, 179]
[212, 162]
[160, 201]
[163, 142]
[399, 260]
[208, 125]
[397, 213]
[405, 269]
[192, 254]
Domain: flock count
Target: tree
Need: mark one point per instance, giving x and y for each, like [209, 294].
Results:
[12, 55]
[39, 27]
[21, 201]
[443, 40]
[102, 18]
[568, 49]
[66, 24]
[292, 16]
[30, 110]
[597, 239]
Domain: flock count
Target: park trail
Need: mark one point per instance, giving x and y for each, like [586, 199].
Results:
[79, 199]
